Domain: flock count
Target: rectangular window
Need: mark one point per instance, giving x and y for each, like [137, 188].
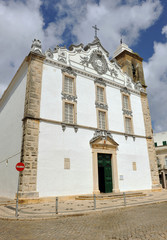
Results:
[126, 104]
[155, 144]
[102, 120]
[164, 143]
[69, 113]
[100, 94]
[166, 161]
[68, 85]
[128, 125]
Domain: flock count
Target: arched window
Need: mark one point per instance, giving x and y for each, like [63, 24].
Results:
[133, 70]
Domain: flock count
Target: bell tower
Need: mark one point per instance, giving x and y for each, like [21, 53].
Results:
[131, 63]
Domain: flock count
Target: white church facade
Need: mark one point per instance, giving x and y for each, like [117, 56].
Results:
[79, 122]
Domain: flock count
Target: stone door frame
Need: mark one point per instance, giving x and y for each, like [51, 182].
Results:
[108, 146]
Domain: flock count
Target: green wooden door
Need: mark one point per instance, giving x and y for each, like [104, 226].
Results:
[105, 172]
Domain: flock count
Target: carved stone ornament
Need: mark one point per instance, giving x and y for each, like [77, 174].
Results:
[62, 57]
[101, 105]
[36, 46]
[76, 128]
[127, 112]
[84, 60]
[125, 90]
[49, 53]
[101, 133]
[69, 97]
[63, 126]
[98, 62]
[128, 83]
[100, 81]
[113, 72]
[138, 86]
[69, 70]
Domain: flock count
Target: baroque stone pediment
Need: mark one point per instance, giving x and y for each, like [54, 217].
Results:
[91, 60]
[103, 138]
[76, 48]
[96, 42]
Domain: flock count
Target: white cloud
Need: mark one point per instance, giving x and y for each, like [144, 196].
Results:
[156, 79]
[22, 21]
[164, 30]
[112, 18]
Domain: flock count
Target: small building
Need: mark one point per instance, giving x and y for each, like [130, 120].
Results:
[80, 123]
[160, 141]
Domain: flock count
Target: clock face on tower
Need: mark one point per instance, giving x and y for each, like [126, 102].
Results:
[98, 62]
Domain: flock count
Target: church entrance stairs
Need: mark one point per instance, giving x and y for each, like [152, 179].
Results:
[103, 196]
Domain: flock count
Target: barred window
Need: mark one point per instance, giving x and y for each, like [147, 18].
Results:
[69, 113]
[126, 104]
[100, 94]
[68, 85]
[102, 120]
[128, 125]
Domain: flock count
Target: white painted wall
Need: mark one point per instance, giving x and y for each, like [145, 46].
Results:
[138, 119]
[115, 116]
[54, 146]
[133, 151]
[51, 102]
[11, 115]
[86, 110]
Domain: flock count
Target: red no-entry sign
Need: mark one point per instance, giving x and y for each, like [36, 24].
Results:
[20, 166]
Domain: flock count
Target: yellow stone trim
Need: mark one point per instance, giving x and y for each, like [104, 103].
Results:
[132, 128]
[150, 142]
[106, 117]
[129, 101]
[64, 74]
[74, 110]
[29, 152]
[104, 88]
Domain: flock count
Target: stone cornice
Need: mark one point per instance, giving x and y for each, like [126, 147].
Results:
[78, 126]
[93, 76]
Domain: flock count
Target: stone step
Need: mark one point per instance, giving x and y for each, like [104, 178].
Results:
[110, 196]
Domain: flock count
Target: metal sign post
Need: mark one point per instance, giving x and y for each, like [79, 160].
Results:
[17, 200]
[19, 167]
[56, 205]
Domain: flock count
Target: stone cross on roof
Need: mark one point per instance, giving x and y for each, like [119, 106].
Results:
[95, 27]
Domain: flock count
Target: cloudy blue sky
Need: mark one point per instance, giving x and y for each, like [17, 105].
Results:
[143, 25]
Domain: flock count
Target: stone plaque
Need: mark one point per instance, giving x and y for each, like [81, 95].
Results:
[66, 163]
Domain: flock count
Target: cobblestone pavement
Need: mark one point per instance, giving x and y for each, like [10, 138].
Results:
[133, 223]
